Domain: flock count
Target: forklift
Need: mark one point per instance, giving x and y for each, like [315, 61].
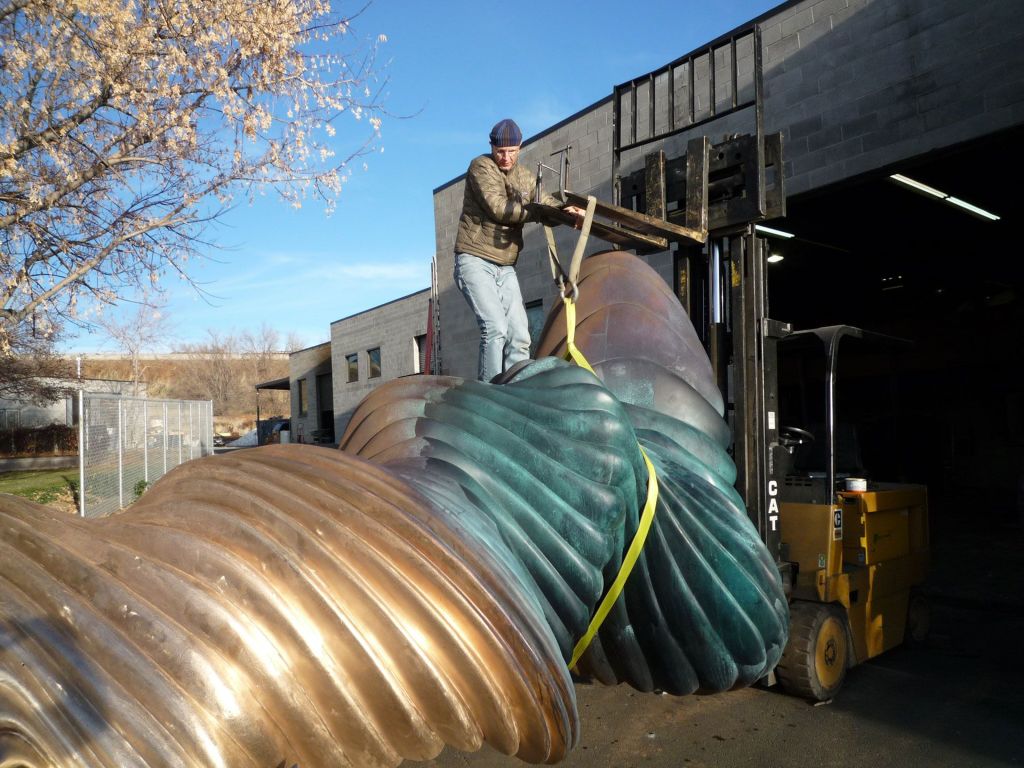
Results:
[858, 549]
[852, 551]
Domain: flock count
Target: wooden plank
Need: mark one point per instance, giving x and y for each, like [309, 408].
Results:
[627, 238]
[697, 154]
[640, 222]
[609, 233]
[775, 195]
[654, 184]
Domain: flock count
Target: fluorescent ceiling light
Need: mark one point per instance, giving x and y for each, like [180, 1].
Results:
[918, 185]
[776, 232]
[972, 208]
[775, 258]
[905, 180]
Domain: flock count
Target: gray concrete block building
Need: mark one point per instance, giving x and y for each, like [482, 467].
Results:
[856, 87]
[869, 96]
[312, 395]
[375, 346]
[366, 349]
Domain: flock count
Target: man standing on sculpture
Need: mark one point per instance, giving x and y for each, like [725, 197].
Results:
[494, 210]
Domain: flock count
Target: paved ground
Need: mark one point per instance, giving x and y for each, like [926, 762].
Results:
[959, 701]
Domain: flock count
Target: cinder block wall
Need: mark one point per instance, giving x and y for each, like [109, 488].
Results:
[855, 86]
[392, 327]
[307, 364]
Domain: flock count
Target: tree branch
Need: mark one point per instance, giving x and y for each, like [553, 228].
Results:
[54, 133]
[13, 7]
[89, 264]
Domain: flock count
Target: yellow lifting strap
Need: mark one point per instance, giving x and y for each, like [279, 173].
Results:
[557, 273]
[646, 517]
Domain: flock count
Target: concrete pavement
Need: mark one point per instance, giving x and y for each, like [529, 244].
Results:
[956, 702]
[959, 701]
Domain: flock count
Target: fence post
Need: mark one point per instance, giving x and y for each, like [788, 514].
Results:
[120, 456]
[163, 432]
[81, 454]
[145, 441]
[179, 432]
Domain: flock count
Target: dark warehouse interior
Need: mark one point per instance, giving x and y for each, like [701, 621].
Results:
[947, 409]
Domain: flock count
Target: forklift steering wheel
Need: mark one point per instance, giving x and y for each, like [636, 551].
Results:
[790, 436]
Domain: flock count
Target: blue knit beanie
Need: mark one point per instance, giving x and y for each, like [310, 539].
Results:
[506, 134]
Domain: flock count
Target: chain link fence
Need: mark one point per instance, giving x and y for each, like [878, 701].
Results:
[127, 443]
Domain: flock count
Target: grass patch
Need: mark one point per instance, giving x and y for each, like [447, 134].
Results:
[45, 486]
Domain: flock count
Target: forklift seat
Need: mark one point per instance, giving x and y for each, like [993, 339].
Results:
[812, 457]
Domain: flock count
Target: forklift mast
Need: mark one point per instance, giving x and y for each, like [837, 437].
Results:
[723, 188]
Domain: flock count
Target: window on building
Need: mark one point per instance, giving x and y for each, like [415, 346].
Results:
[535, 321]
[420, 352]
[352, 362]
[373, 357]
[303, 397]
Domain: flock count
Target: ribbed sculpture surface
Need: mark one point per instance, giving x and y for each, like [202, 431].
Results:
[424, 586]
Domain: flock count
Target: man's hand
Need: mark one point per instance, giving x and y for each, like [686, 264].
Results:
[578, 212]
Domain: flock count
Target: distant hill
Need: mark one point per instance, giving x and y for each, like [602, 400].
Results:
[229, 380]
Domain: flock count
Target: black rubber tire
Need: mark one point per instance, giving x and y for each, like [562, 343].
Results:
[815, 660]
[919, 620]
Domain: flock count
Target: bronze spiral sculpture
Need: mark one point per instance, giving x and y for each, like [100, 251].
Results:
[423, 586]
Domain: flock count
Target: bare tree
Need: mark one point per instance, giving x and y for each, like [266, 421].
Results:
[226, 367]
[293, 343]
[137, 332]
[126, 127]
[261, 351]
[36, 373]
[211, 372]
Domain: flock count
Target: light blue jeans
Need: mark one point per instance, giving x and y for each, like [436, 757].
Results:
[493, 294]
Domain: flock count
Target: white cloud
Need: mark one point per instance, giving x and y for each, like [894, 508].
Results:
[279, 259]
[542, 112]
[401, 272]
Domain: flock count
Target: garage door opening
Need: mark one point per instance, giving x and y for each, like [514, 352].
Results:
[878, 254]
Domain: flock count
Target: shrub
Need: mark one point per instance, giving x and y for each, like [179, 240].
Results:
[51, 440]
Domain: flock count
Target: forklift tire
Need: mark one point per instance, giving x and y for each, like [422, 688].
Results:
[919, 620]
[813, 665]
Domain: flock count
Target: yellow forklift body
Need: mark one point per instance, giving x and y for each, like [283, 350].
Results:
[885, 523]
[808, 539]
[866, 559]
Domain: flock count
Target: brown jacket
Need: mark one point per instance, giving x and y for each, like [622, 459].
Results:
[494, 211]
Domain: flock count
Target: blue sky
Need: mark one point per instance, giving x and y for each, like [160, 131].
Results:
[458, 67]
